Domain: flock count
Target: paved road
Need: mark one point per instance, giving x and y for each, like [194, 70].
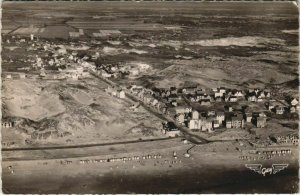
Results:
[85, 145]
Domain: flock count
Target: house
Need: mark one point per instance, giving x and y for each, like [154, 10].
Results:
[226, 98]
[8, 76]
[228, 124]
[248, 117]
[267, 94]
[228, 108]
[261, 95]
[22, 76]
[193, 124]
[252, 98]
[174, 103]
[279, 110]
[106, 75]
[237, 122]
[218, 99]
[182, 109]
[189, 90]
[170, 129]
[218, 94]
[294, 102]
[134, 72]
[292, 109]
[216, 124]
[222, 90]
[211, 113]
[193, 98]
[261, 122]
[173, 97]
[153, 102]
[207, 125]
[7, 124]
[195, 114]
[238, 93]
[205, 102]
[233, 99]
[147, 98]
[180, 118]
[121, 94]
[270, 106]
[220, 116]
[173, 90]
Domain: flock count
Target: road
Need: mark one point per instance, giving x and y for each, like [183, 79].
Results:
[85, 145]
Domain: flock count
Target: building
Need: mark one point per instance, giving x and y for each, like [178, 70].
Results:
[252, 98]
[170, 129]
[195, 114]
[248, 117]
[270, 106]
[238, 93]
[180, 118]
[294, 102]
[233, 99]
[216, 124]
[121, 94]
[211, 113]
[7, 124]
[228, 124]
[193, 124]
[220, 116]
[189, 90]
[22, 76]
[237, 122]
[261, 122]
[279, 110]
[292, 109]
[205, 102]
[207, 125]
[228, 108]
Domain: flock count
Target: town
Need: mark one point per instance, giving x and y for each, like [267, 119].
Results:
[193, 107]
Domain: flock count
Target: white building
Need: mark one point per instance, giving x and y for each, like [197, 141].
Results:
[121, 94]
[195, 114]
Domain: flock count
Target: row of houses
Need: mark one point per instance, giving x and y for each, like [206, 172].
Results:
[286, 139]
[146, 95]
[116, 92]
[281, 109]
[9, 76]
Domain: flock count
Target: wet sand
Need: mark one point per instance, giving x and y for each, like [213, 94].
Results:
[203, 172]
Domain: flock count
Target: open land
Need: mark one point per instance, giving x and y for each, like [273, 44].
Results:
[67, 118]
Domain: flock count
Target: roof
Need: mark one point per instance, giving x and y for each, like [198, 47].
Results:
[237, 118]
[261, 118]
[220, 114]
[171, 126]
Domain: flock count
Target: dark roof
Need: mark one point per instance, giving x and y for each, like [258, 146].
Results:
[171, 126]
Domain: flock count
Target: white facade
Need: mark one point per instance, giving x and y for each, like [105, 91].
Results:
[122, 94]
[195, 114]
